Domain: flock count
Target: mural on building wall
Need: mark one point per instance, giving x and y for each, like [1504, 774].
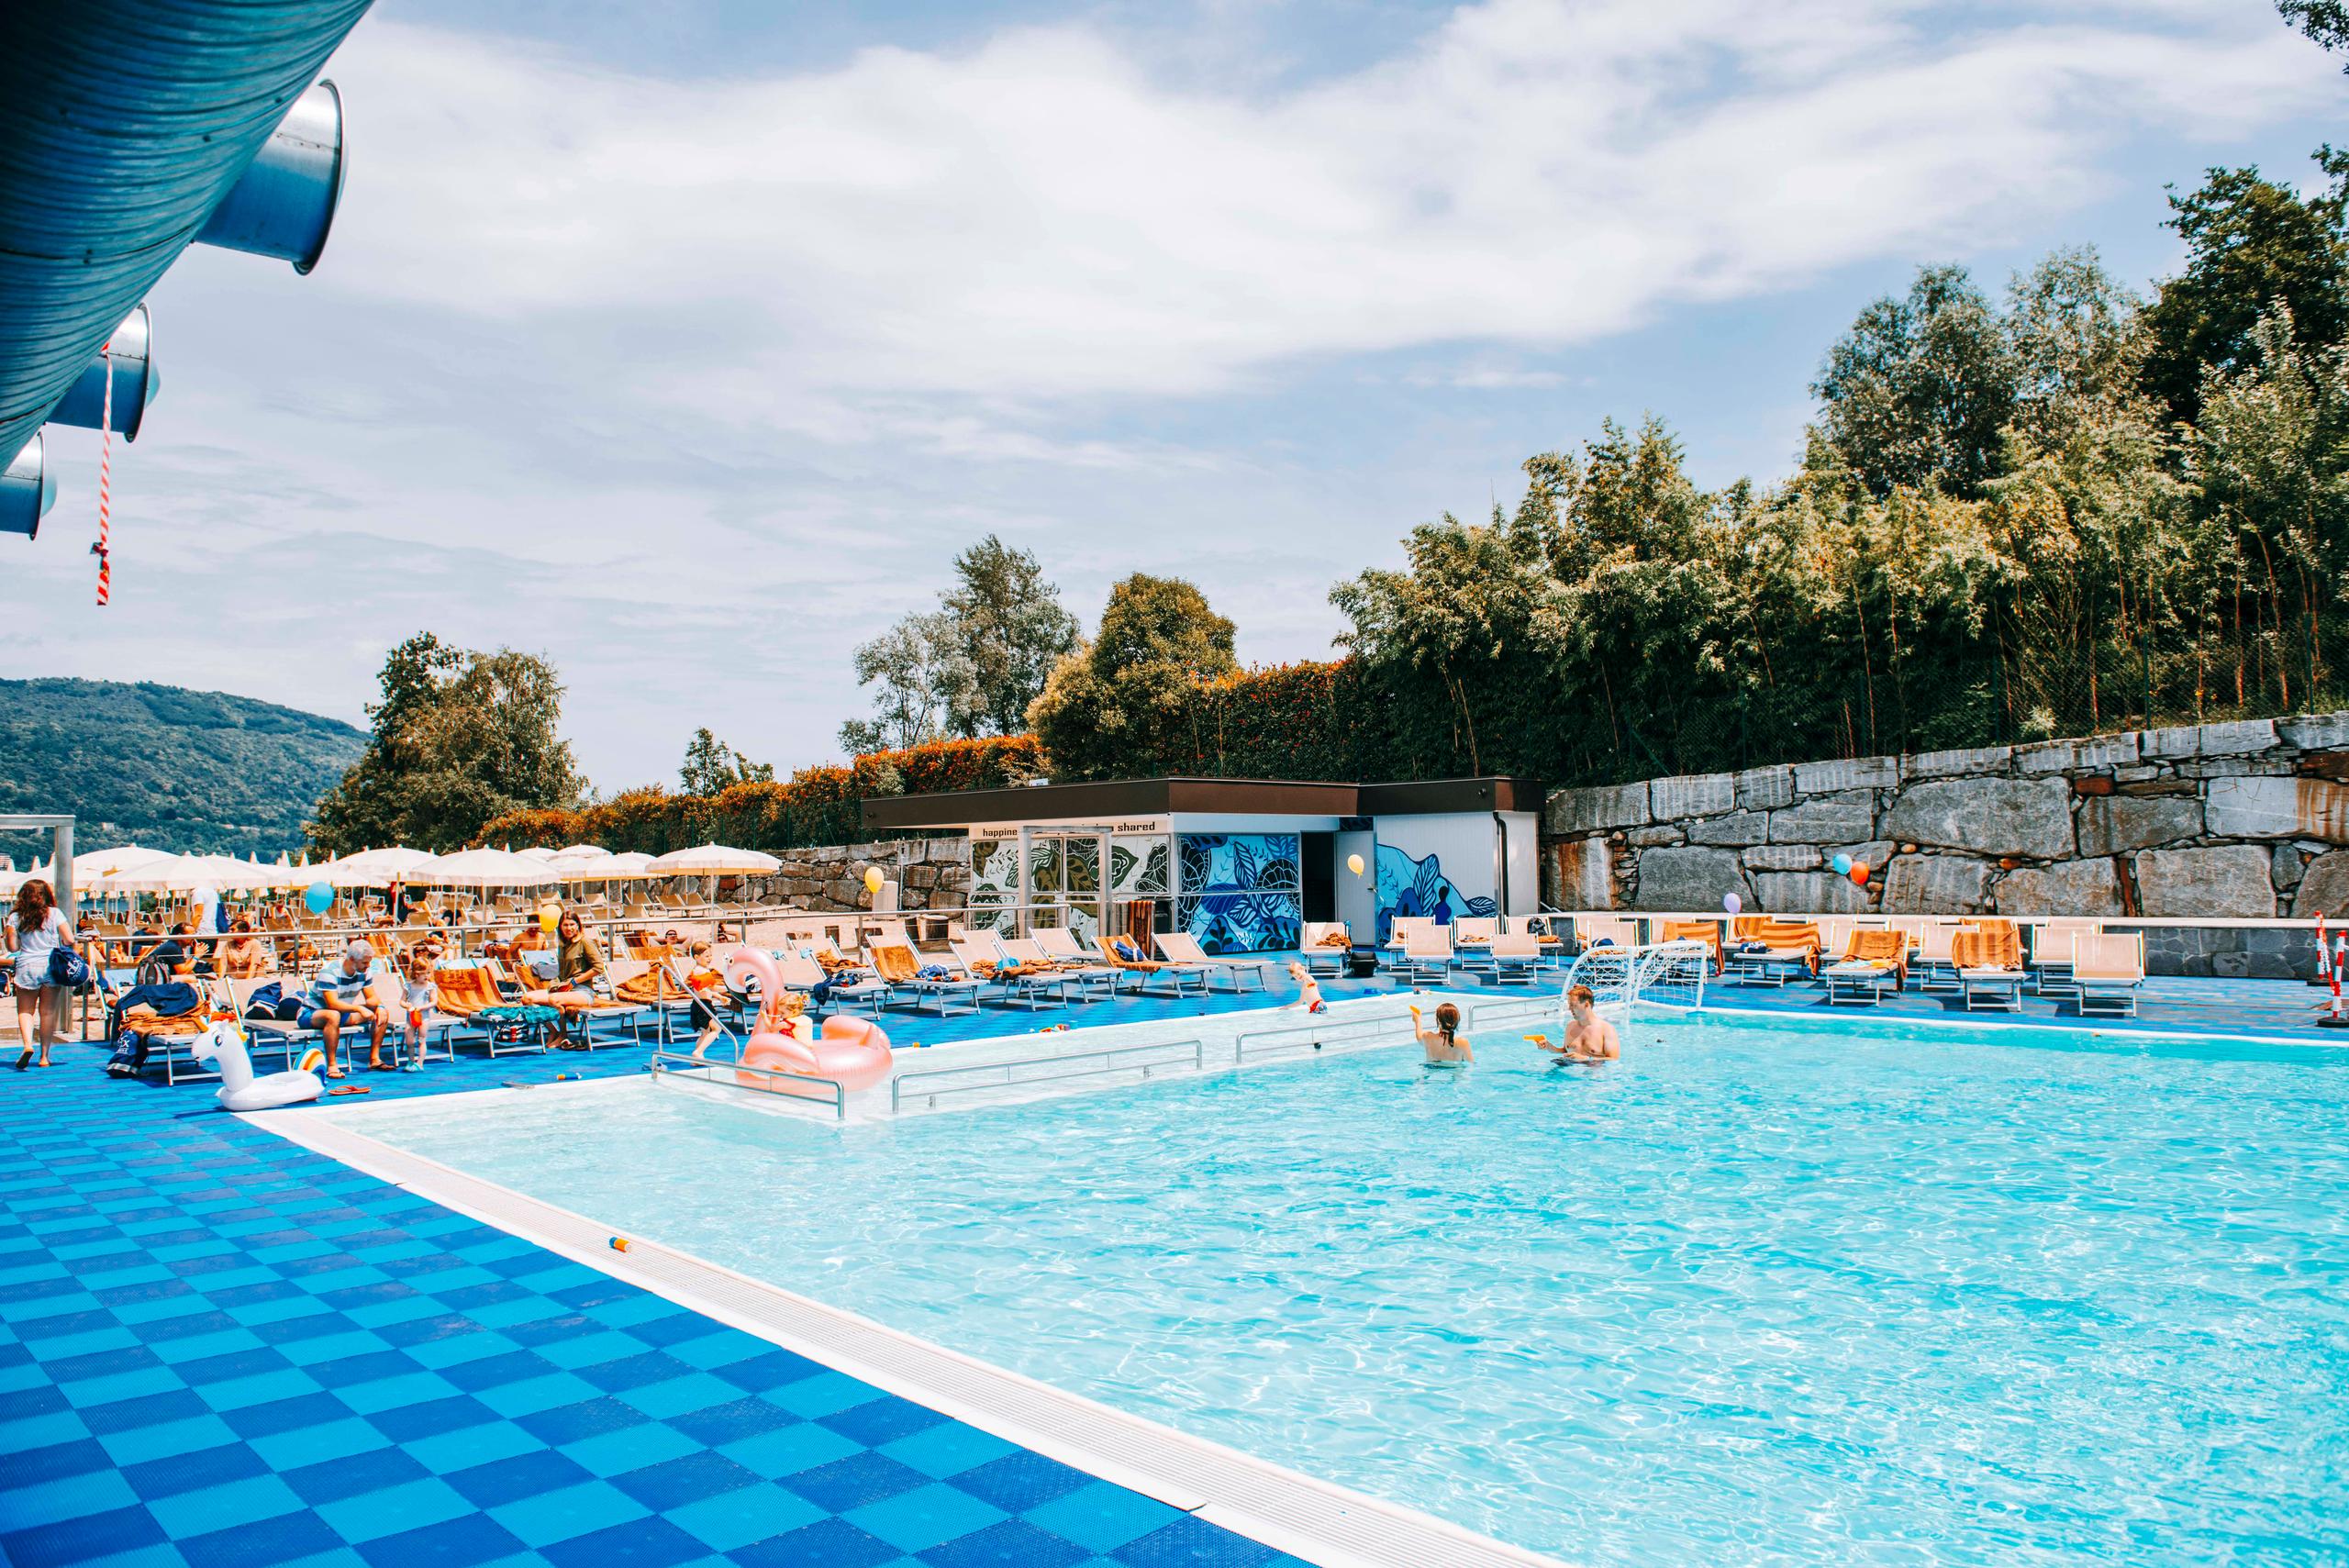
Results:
[1242, 892]
[1138, 865]
[994, 884]
[1418, 887]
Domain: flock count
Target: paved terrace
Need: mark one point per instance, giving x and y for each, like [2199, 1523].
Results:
[217, 1348]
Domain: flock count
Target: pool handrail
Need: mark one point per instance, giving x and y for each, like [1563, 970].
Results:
[899, 1093]
[682, 1065]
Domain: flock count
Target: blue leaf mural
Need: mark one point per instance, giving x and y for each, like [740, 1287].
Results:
[1241, 891]
[1418, 887]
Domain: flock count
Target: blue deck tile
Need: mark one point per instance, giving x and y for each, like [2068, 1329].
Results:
[677, 1397]
[25, 1504]
[717, 1425]
[79, 1457]
[687, 1479]
[743, 1517]
[510, 1479]
[469, 1541]
[766, 1368]
[639, 1543]
[230, 1504]
[280, 1540]
[470, 1446]
[860, 1479]
[331, 1480]
[1103, 1518]
[310, 1445]
[1191, 1543]
[1020, 1481]
[882, 1421]
[1014, 1543]
[390, 1510]
[589, 1417]
[550, 1391]
[550, 1517]
[947, 1448]
[615, 1454]
[928, 1516]
[628, 1371]
[474, 1374]
[406, 1423]
[826, 1393]
[828, 1544]
[84, 1540]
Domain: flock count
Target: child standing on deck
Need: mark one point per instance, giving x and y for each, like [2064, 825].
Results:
[416, 1000]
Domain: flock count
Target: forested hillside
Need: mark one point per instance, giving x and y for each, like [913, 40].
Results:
[165, 766]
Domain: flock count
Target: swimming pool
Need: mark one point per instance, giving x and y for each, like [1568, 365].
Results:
[1759, 1293]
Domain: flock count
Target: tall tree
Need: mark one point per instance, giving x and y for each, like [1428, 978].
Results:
[712, 765]
[1013, 630]
[2251, 245]
[460, 737]
[970, 667]
[1126, 690]
[923, 678]
[1918, 391]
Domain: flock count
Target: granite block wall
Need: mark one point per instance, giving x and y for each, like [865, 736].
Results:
[2246, 820]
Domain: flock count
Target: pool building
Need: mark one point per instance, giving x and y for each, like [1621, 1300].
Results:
[1242, 864]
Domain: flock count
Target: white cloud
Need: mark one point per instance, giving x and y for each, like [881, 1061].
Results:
[1040, 218]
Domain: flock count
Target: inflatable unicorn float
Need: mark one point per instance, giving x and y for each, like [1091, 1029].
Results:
[852, 1052]
[224, 1046]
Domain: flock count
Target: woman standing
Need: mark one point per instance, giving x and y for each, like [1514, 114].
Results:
[36, 930]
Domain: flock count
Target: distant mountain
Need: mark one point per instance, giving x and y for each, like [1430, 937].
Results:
[165, 766]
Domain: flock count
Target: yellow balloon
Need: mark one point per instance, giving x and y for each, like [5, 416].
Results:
[873, 879]
[548, 918]
[1354, 864]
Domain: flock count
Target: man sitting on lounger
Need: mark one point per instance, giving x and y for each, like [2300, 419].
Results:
[338, 1001]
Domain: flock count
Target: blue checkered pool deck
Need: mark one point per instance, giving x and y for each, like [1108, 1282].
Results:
[218, 1348]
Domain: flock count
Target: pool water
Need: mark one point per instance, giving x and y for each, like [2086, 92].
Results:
[1755, 1295]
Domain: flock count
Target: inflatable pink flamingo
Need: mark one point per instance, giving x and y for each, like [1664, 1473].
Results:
[852, 1052]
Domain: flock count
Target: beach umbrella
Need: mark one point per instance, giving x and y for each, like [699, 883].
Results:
[369, 868]
[537, 852]
[579, 855]
[628, 862]
[482, 868]
[95, 863]
[712, 859]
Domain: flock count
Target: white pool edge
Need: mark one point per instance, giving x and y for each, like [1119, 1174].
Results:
[1309, 1518]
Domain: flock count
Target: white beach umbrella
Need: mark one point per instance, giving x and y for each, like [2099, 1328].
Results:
[712, 859]
[537, 852]
[482, 868]
[628, 862]
[95, 863]
[579, 855]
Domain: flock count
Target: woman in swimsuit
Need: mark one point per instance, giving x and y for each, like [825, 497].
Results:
[1442, 1043]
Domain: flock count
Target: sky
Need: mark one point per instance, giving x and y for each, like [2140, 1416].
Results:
[685, 344]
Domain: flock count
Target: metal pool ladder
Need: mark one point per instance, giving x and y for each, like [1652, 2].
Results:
[778, 1083]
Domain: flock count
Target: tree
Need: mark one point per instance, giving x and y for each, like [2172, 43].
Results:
[2326, 21]
[2076, 347]
[1917, 392]
[1123, 693]
[460, 737]
[1013, 630]
[925, 678]
[712, 765]
[2251, 245]
[971, 666]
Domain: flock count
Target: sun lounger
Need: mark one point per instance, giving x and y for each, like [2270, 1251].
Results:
[1090, 981]
[2108, 969]
[1934, 962]
[1771, 952]
[1398, 935]
[1605, 930]
[1322, 955]
[900, 968]
[1989, 968]
[1878, 962]
[1706, 931]
[1150, 974]
[1181, 947]
[2054, 945]
[1022, 986]
[1515, 956]
[1427, 957]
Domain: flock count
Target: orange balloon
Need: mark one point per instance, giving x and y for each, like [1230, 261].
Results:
[1859, 874]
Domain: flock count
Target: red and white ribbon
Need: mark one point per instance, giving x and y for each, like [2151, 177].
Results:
[102, 549]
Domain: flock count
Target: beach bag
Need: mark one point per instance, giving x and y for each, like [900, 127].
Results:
[67, 968]
[509, 1023]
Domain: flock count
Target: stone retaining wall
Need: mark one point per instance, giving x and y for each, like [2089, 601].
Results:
[2239, 819]
[930, 873]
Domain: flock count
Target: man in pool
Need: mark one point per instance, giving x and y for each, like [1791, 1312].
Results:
[1589, 1038]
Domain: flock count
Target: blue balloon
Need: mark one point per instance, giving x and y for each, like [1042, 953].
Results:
[1843, 864]
[319, 897]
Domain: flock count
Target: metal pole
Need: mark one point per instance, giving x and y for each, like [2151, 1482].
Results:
[60, 860]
